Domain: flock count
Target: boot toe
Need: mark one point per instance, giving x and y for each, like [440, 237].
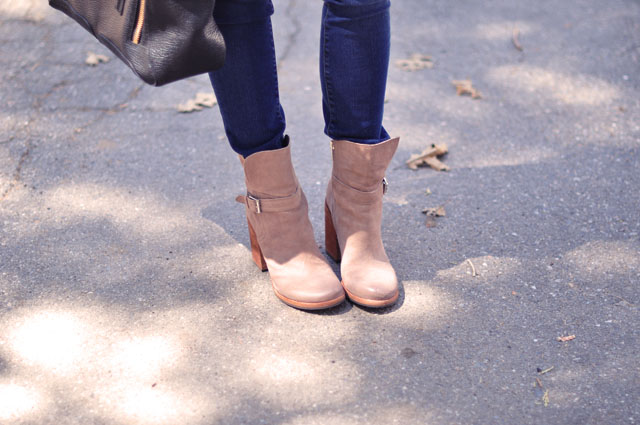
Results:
[312, 286]
[372, 287]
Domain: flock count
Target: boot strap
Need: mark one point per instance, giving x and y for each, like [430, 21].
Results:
[258, 206]
[359, 196]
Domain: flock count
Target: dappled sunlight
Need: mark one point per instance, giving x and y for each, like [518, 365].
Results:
[232, 261]
[17, 9]
[503, 157]
[18, 402]
[396, 198]
[53, 340]
[149, 405]
[299, 377]
[503, 30]
[423, 306]
[144, 357]
[486, 268]
[599, 259]
[576, 89]
[417, 137]
[397, 413]
[278, 368]
[128, 370]
[443, 106]
[142, 214]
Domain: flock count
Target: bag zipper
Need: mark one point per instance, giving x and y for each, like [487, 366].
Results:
[137, 33]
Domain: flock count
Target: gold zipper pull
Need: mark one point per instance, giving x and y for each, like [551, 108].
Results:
[137, 33]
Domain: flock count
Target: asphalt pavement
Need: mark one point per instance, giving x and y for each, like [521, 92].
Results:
[127, 290]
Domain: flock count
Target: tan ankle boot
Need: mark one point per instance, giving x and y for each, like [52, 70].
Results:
[353, 216]
[282, 239]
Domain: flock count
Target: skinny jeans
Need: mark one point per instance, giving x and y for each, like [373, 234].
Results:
[353, 64]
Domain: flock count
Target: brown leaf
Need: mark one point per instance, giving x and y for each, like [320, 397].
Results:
[436, 164]
[415, 62]
[435, 212]
[201, 101]
[432, 151]
[94, 59]
[465, 88]
[566, 338]
[514, 39]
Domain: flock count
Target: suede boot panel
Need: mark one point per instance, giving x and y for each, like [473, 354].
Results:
[354, 198]
[297, 268]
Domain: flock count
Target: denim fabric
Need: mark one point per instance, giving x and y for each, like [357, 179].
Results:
[354, 57]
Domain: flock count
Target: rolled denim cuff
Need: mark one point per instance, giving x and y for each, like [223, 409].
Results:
[355, 9]
[230, 12]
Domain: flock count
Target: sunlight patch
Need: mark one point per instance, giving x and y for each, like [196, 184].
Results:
[17, 401]
[145, 356]
[574, 89]
[50, 339]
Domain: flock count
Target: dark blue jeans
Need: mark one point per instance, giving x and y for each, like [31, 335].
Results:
[354, 58]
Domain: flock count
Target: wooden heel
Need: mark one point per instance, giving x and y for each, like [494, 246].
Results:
[330, 238]
[256, 253]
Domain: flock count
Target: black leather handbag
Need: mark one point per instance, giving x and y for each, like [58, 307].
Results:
[160, 40]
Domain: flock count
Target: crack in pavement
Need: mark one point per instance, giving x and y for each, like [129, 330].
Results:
[17, 172]
[108, 111]
[293, 36]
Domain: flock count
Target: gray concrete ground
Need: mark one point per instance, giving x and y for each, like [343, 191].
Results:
[127, 293]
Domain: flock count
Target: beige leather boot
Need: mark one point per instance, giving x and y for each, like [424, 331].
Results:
[281, 235]
[353, 216]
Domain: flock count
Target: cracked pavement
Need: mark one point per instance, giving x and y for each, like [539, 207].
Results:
[127, 292]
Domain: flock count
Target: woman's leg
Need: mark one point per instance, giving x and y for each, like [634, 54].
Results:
[247, 85]
[353, 65]
[282, 239]
[354, 58]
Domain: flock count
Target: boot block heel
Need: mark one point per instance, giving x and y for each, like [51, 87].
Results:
[256, 253]
[330, 237]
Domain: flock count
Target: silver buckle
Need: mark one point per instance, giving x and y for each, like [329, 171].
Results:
[257, 201]
[385, 185]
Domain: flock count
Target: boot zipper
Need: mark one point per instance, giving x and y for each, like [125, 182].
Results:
[137, 33]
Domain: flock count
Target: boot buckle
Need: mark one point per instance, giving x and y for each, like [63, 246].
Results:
[385, 185]
[257, 201]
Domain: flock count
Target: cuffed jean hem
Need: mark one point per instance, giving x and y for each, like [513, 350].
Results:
[383, 137]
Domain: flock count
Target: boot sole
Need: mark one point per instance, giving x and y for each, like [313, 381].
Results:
[371, 303]
[306, 305]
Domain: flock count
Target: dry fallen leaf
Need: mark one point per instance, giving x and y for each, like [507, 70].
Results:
[201, 101]
[473, 268]
[545, 398]
[566, 338]
[515, 41]
[415, 62]
[465, 87]
[435, 212]
[547, 370]
[429, 157]
[94, 59]
[432, 213]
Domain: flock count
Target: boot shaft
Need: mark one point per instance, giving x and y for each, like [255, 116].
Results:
[270, 174]
[362, 166]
